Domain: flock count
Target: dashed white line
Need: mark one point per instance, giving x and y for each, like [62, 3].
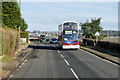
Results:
[66, 62]
[25, 56]
[74, 74]
[58, 51]
[25, 60]
[11, 76]
[62, 56]
[20, 66]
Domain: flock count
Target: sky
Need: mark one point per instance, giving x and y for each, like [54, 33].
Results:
[46, 16]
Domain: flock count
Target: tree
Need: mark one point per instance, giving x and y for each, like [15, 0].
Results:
[23, 25]
[11, 16]
[90, 28]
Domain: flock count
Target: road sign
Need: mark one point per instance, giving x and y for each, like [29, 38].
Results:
[97, 33]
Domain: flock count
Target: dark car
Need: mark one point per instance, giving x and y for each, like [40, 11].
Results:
[42, 38]
[53, 40]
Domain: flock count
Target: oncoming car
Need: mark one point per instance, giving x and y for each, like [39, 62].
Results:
[53, 40]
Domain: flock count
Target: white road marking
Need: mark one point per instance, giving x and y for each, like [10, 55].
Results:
[25, 60]
[99, 57]
[11, 76]
[74, 74]
[66, 62]
[62, 56]
[56, 48]
[25, 56]
[17, 69]
[22, 63]
[58, 51]
[20, 66]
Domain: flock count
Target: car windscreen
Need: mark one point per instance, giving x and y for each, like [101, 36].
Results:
[54, 39]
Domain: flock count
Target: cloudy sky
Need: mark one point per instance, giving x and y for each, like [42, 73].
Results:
[45, 16]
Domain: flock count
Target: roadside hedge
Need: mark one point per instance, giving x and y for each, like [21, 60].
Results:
[89, 42]
[24, 35]
[112, 46]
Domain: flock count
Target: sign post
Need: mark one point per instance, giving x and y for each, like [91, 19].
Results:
[97, 34]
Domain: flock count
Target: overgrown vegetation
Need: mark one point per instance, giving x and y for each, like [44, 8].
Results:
[11, 21]
[11, 16]
[90, 28]
[10, 41]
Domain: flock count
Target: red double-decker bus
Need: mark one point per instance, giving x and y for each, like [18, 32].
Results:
[68, 35]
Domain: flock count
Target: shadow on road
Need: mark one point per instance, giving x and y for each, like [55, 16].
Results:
[50, 48]
[43, 47]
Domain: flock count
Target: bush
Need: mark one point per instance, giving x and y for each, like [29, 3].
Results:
[24, 35]
[103, 44]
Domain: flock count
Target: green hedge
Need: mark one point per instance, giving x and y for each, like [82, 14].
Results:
[103, 44]
[24, 35]
[109, 45]
[88, 42]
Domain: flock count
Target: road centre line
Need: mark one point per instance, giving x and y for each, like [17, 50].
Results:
[58, 51]
[74, 74]
[66, 62]
[62, 56]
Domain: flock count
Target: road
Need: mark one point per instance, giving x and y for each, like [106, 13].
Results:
[47, 61]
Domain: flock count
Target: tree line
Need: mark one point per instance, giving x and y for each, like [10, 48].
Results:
[11, 16]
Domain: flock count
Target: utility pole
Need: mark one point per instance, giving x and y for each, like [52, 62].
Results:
[20, 13]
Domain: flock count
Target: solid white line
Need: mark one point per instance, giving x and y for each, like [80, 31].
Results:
[66, 62]
[74, 74]
[62, 56]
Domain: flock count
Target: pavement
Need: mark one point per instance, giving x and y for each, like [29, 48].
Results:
[46, 61]
[11, 67]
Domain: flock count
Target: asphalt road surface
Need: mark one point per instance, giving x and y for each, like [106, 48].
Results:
[47, 61]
